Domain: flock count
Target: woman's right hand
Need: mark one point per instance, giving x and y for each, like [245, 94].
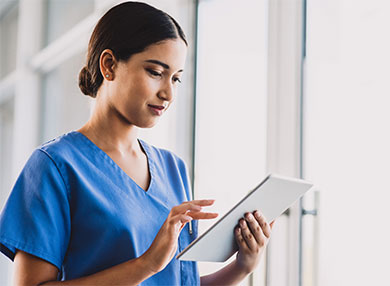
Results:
[164, 246]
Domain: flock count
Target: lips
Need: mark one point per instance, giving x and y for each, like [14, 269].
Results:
[156, 109]
[159, 107]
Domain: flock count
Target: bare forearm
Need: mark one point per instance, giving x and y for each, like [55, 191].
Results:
[231, 274]
[131, 272]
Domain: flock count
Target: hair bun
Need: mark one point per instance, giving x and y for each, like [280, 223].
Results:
[85, 82]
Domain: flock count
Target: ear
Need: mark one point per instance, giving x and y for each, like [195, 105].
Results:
[107, 64]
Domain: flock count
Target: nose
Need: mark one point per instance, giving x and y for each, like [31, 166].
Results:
[167, 92]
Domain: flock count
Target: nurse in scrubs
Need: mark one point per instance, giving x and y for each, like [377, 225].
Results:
[98, 206]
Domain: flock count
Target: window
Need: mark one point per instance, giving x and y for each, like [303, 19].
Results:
[65, 107]
[347, 138]
[8, 37]
[8, 45]
[231, 103]
[6, 140]
[62, 15]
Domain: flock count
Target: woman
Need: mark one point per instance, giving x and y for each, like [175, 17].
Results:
[99, 206]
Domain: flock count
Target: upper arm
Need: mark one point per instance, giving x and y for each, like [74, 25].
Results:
[36, 217]
[31, 270]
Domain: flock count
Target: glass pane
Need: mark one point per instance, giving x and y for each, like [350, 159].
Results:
[231, 103]
[347, 137]
[62, 15]
[6, 139]
[8, 36]
[65, 107]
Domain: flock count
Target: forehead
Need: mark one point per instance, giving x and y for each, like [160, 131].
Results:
[171, 52]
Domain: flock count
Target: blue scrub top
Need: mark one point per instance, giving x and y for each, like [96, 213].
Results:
[74, 207]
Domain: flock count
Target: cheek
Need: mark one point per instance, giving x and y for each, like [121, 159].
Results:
[143, 86]
[149, 86]
[134, 92]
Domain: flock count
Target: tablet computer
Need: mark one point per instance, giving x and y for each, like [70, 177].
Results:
[272, 197]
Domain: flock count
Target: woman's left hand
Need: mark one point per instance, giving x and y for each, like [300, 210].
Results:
[252, 235]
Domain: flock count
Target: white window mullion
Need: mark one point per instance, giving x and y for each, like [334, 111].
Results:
[26, 116]
[283, 136]
[71, 43]
[7, 86]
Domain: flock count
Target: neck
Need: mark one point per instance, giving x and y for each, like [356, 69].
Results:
[109, 131]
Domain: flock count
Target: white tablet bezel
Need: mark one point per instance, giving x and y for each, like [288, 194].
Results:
[272, 197]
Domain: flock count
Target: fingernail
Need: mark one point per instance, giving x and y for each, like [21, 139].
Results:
[257, 214]
[249, 216]
[242, 222]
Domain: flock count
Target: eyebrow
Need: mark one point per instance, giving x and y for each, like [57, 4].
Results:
[164, 65]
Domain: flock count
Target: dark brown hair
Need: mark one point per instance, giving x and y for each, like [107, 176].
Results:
[126, 29]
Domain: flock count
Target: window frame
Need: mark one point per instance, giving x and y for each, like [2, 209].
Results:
[285, 70]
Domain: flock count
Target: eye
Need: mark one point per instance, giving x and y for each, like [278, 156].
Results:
[154, 73]
[176, 79]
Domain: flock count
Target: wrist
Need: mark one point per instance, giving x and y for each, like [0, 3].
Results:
[242, 268]
[144, 263]
[245, 267]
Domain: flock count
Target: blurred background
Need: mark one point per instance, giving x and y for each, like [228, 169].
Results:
[296, 87]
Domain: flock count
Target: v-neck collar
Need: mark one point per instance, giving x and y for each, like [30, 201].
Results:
[144, 146]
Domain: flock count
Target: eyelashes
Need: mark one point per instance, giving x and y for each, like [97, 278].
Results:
[158, 74]
[154, 73]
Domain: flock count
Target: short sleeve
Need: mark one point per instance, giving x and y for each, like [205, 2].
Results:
[36, 216]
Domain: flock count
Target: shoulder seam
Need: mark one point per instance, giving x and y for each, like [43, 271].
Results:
[58, 169]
